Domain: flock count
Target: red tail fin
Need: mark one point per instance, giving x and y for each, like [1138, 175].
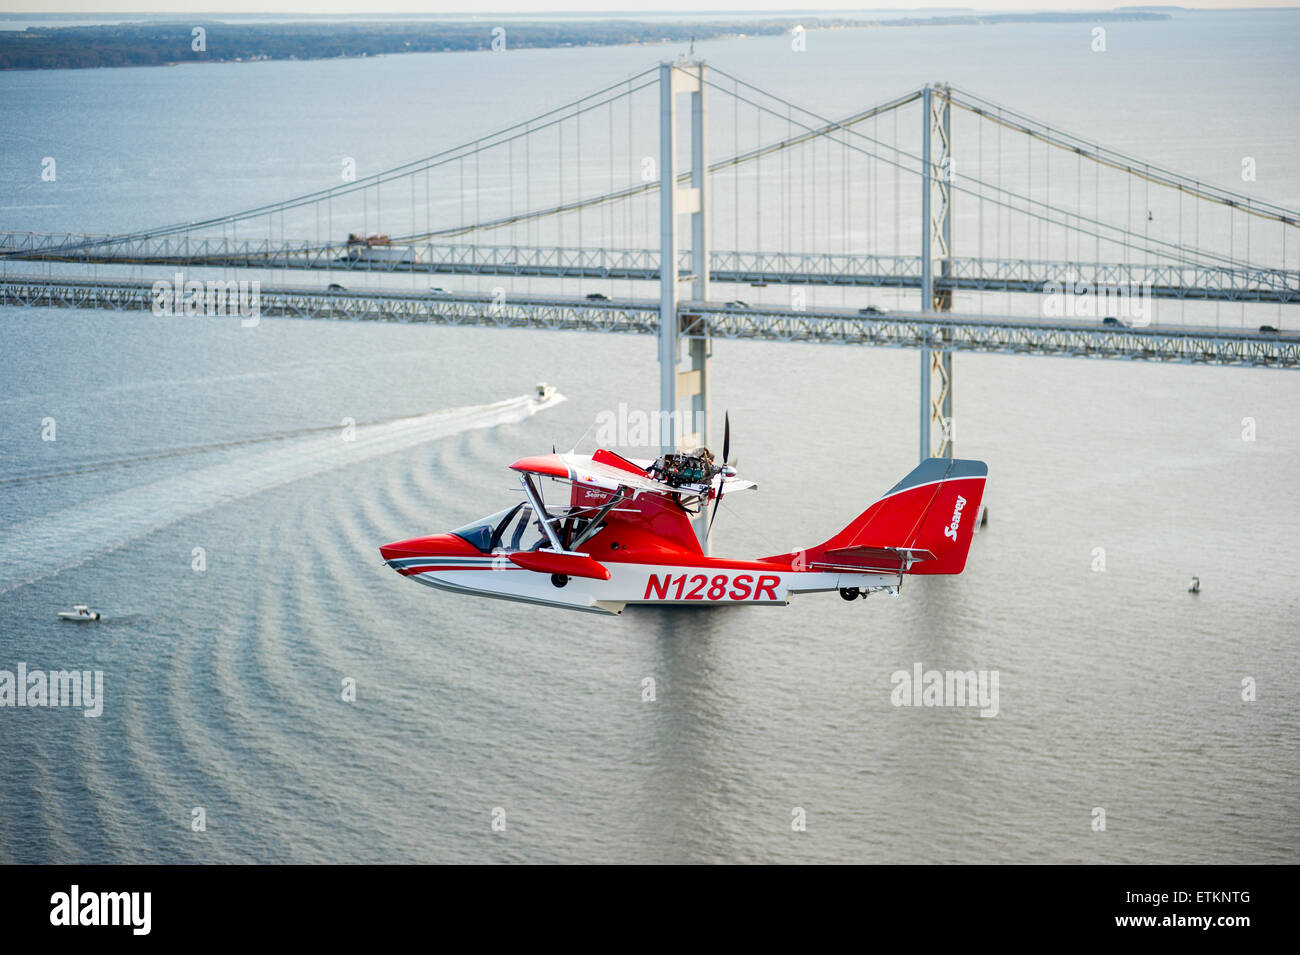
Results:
[924, 525]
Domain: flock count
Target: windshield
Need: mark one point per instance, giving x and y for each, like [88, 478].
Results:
[484, 533]
[512, 529]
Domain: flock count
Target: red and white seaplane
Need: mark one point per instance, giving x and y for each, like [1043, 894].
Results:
[626, 536]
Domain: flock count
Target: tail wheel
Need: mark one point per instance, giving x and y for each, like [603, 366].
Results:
[559, 580]
[850, 593]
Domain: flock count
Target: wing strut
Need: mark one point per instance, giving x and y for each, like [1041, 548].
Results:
[539, 509]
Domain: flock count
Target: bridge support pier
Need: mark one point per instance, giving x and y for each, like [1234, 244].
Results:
[693, 388]
[678, 380]
[936, 248]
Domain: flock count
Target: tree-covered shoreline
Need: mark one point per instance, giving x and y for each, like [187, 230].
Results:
[169, 42]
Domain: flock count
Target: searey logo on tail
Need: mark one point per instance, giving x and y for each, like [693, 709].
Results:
[951, 529]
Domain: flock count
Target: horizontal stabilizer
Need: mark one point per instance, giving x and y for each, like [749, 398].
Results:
[890, 559]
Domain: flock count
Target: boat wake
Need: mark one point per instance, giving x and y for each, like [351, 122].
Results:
[37, 548]
[130, 461]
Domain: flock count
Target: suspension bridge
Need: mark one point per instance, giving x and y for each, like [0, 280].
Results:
[937, 220]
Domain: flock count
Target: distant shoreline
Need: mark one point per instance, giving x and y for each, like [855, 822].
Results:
[171, 41]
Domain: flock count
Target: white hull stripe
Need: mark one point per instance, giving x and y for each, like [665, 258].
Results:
[404, 562]
[442, 584]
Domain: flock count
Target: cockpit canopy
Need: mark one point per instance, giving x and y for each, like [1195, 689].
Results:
[517, 528]
[512, 529]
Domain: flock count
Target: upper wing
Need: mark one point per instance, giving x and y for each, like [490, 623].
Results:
[586, 470]
[735, 484]
[609, 472]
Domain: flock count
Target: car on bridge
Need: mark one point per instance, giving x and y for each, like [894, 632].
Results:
[335, 287]
[597, 297]
[1268, 330]
[375, 247]
[871, 310]
[737, 304]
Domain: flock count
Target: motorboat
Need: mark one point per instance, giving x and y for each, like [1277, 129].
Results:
[79, 614]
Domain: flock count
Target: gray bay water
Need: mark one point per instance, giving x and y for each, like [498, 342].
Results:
[1118, 689]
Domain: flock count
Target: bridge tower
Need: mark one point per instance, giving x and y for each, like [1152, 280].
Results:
[936, 248]
[683, 377]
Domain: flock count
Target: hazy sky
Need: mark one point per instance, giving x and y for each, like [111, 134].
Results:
[550, 6]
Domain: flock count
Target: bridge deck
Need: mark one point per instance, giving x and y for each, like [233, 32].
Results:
[1165, 280]
[940, 330]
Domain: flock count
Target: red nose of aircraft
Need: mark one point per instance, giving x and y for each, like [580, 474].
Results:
[435, 545]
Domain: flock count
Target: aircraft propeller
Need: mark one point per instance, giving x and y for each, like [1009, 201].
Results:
[725, 471]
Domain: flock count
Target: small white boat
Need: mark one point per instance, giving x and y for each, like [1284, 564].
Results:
[80, 613]
[545, 392]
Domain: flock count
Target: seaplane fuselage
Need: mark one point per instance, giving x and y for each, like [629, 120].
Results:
[625, 538]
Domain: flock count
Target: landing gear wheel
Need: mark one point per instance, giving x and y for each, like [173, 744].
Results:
[559, 580]
[850, 593]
